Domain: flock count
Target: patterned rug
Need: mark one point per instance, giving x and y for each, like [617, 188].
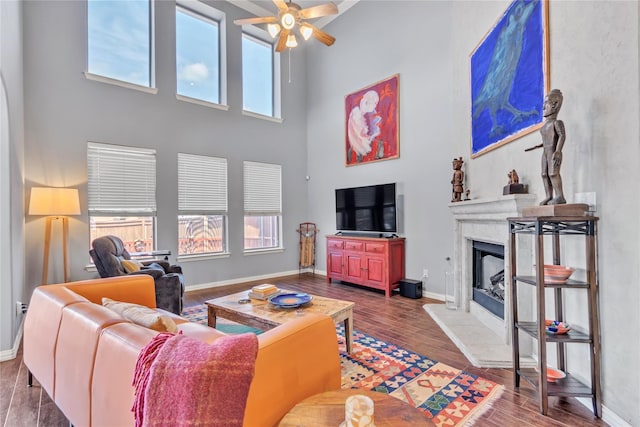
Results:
[449, 396]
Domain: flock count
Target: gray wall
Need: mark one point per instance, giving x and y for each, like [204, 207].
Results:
[64, 111]
[597, 70]
[594, 61]
[11, 181]
[408, 38]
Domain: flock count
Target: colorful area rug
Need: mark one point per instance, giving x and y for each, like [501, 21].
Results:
[448, 396]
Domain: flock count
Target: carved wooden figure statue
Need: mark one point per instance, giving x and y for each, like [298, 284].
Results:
[513, 177]
[457, 180]
[553, 137]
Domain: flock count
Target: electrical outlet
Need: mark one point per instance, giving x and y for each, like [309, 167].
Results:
[21, 308]
[425, 273]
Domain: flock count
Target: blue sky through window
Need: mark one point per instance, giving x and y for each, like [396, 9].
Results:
[257, 76]
[197, 61]
[119, 40]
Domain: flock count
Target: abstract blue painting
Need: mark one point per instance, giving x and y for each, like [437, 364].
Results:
[509, 77]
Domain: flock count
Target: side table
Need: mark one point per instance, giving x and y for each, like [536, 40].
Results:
[327, 410]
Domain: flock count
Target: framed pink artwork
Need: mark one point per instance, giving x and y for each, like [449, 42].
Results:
[372, 123]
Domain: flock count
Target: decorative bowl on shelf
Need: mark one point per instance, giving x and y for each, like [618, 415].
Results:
[553, 374]
[556, 327]
[557, 273]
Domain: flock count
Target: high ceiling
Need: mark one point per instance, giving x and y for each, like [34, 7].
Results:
[267, 7]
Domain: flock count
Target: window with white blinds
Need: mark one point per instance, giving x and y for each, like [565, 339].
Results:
[202, 205]
[202, 184]
[121, 179]
[122, 194]
[262, 188]
[262, 206]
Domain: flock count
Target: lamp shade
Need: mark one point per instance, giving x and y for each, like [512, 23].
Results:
[52, 201]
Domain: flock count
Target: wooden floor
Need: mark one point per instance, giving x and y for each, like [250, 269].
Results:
[399, 320]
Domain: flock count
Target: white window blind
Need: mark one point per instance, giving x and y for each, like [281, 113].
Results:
[202, 184]
[121, 179]
[262, 189]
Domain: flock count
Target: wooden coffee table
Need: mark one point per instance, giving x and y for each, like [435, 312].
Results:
[327, 410]
[263, 315]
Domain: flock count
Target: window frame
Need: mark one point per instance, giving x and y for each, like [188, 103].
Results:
[152, 89]
[202, 11]
[261, 36]
[261, 212]
[99, 208]
[190, 211]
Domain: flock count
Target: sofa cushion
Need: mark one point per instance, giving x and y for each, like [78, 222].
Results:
[141, 315]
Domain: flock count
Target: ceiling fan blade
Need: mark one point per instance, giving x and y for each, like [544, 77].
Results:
[282, 41]
[321, 36]
[258, 20]
[281, 4]
[318, 11]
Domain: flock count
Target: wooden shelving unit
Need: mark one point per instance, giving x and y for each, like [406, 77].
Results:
[555, 227]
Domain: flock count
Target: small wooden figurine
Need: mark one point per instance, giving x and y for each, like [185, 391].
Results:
[513, 186]
[457, 180]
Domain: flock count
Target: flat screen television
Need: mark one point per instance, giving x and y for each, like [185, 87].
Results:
[371, 208]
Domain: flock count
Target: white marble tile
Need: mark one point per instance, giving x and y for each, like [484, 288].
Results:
[483, 347]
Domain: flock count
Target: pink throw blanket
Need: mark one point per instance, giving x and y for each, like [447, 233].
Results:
[182, 381]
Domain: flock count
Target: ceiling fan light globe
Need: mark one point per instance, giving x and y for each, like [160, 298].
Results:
[274, 30]
[288, 21]
[291, 41]
[306, 31]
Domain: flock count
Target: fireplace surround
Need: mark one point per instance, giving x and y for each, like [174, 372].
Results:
[488, 284]
[482, 336]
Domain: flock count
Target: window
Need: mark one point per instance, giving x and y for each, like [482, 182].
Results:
[122, 194]
[120, 40]
[260, 77]
[199, 50]
[262, 206]
[202, 205]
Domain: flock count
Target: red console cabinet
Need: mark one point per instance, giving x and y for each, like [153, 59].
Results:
[369, 261]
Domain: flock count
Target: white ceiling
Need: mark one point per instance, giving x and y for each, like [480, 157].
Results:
[267, 8]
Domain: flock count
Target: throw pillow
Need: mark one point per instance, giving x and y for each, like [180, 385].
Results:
[130, 265]
[141, 315]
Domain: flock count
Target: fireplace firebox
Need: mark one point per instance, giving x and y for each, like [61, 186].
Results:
[488, 276]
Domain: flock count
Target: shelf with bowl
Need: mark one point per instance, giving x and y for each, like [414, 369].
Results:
[543, 330]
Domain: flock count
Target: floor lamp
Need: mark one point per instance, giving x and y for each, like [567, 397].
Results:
[55, 203]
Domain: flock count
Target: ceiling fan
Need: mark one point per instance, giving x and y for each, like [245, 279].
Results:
[290, 16]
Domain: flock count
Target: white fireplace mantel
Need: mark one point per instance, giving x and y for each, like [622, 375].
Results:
[491, 209]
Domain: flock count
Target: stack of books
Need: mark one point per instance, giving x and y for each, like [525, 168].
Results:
[263, 292]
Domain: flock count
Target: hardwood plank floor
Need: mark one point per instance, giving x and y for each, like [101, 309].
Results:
[399, 320]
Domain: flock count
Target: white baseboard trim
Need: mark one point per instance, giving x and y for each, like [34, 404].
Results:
[13, 352]
[432, 295]
[608, 416]
[209, 285]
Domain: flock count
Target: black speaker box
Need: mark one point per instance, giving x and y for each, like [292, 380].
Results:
[410, 288]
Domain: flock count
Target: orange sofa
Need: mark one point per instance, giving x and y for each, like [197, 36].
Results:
[83, 354]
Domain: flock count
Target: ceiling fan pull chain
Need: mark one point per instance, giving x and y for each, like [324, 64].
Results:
[289, 65]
